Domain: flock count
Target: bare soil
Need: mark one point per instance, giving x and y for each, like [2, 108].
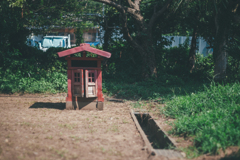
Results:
[36, 127]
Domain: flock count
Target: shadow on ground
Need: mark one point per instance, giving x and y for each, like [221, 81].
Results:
[233, 156]
[60, 106]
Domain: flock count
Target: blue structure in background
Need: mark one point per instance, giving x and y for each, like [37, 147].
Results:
[202, 45]
[93, 43]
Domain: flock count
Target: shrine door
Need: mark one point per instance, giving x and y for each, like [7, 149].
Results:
[91, 83]
[77, 83]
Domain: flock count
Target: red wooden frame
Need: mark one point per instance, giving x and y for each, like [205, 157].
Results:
[84, 47]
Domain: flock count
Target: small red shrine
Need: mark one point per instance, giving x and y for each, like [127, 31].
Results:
[84, 78]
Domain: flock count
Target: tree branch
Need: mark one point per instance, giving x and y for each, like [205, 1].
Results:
[113, 4]
[135, 14]
[137, 4]
[126, 32]
[156, 14]
[122, 11]
[131, 4]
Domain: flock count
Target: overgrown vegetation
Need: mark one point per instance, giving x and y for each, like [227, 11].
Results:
[211, 116]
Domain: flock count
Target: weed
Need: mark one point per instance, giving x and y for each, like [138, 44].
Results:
[25, 124]
[76, 138]
[125, 121]
[91, 130]
[114, 128]
[104, 120]
[61, 153]
[191, 152]
[68, 126]
[103, 150]
[114, 152]
[139, 104]
[49, 137]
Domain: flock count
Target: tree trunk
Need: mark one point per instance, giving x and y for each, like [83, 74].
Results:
[220, 57]
[147, 54]
[107, 36]
[219, 50]
[143, 44]
[192, 52]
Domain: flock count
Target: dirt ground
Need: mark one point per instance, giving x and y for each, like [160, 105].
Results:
[37, 127]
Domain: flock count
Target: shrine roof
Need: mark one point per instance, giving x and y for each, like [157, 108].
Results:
[84, 47]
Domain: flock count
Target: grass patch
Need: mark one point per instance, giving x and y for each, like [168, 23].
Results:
[211, 116]
[155, 90]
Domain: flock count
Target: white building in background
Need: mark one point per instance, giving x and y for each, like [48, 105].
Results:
[33, 40]
[202, 45]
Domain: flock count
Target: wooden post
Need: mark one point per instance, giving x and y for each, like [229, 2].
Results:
[69, 96]
[99, 87]
[84, 54]
[76, 100]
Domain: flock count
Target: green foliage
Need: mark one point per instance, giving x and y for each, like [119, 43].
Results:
[173, 60]
[79, 36]
[125, 62]
[13, 34]
[51, 83]
[233, 59]
[204, 67]
[32, 71]
[211, 116]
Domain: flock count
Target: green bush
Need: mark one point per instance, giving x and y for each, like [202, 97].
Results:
[204, 67]
[212, 116]
[233, 60]
[51, 82]
[32, 71]
[173, 60]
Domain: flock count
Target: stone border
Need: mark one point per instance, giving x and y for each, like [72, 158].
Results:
[158, 152]
[147, 144]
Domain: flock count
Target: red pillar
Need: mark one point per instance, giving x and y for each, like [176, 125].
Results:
[69, 96]
[99, 86]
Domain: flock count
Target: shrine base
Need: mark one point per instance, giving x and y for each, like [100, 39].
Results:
[84, 105]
